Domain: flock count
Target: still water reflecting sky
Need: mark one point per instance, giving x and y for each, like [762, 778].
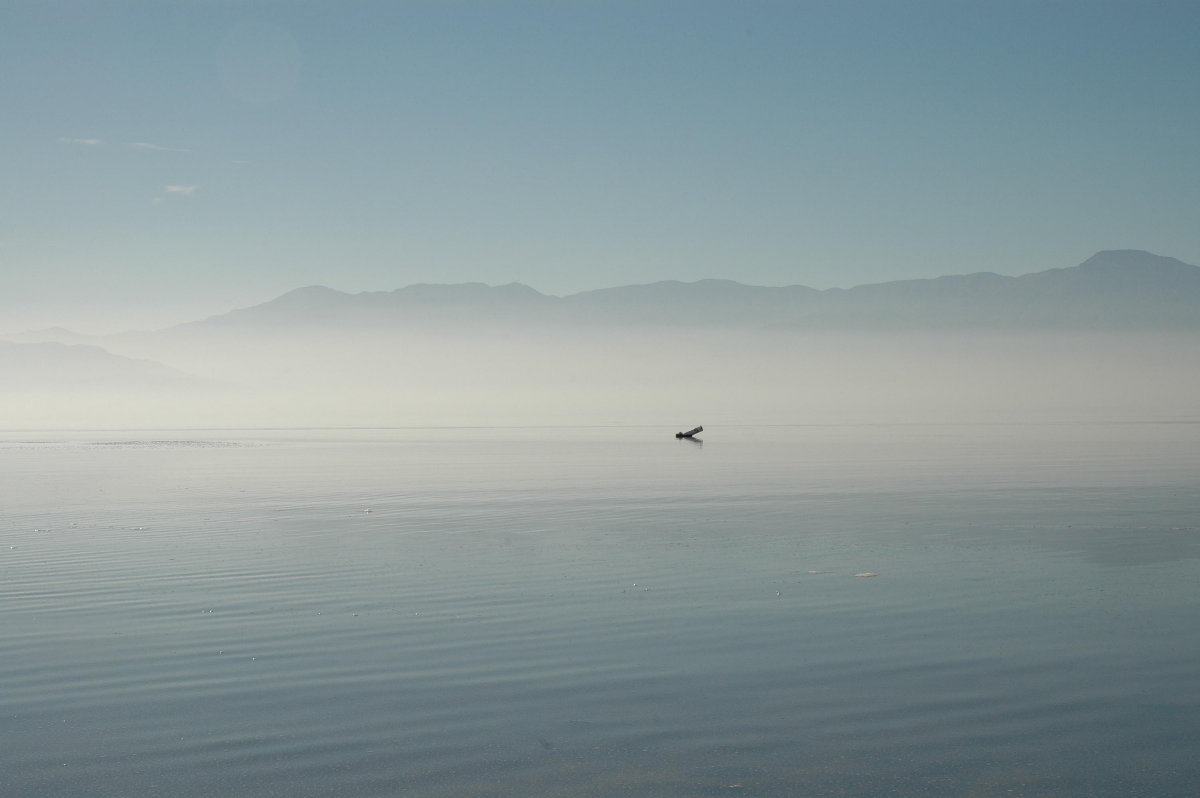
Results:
[605, 611]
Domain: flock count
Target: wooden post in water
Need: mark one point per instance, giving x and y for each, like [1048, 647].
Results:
[689, 433]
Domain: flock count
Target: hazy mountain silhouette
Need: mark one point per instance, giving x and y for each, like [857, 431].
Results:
[55, 366]
[1113, 290]
[972, 346]
[59, 335]
[461, 304]
[706, 302]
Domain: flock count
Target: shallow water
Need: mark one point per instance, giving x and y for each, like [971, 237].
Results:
[601, 612]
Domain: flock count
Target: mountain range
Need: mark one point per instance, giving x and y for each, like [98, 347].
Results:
[58, 366]
[973, 345]
[1113, 290]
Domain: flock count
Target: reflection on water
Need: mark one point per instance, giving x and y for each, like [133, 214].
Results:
[542, 612]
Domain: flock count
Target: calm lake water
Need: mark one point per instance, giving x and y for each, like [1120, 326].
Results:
[789, 611]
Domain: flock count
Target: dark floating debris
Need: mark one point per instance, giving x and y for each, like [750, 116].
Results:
[689, 433]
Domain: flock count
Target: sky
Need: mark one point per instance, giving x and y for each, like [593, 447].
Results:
[166, 161]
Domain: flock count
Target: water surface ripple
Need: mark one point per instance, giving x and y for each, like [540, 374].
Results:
[601, 612]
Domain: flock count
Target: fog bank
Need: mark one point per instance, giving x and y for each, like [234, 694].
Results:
[669, 378]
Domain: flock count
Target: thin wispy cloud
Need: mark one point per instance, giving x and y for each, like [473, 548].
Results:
[86, 142]
[145, 145]
[173, 191]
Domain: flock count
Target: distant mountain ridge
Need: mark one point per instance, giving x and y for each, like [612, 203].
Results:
[1114, 289]
[318, 304]
[982, 346]
[73, 367]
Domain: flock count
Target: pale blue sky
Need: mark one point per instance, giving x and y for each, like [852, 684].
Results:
[167, 160]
